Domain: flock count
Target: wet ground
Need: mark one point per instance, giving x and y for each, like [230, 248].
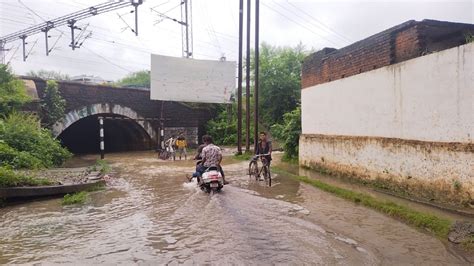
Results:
[150, 215]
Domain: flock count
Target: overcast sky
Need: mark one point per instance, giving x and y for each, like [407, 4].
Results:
[114, 51]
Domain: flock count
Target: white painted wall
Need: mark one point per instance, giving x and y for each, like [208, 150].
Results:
[429, 98]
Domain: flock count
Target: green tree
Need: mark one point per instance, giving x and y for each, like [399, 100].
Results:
[48, 74]
[22, 138]
[53, 104]
[12, 92]
[137, 79]
[280, 81]
[288, 132]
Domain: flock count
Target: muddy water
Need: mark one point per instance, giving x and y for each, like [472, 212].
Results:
[151, 216]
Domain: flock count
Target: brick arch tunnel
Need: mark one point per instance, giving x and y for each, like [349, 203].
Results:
[120, 134]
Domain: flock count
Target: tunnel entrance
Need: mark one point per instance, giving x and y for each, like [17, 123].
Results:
[120, 134]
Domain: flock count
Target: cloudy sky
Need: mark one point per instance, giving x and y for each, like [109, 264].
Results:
[113, 50]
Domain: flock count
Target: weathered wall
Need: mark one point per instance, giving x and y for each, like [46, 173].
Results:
[429, 98]
[410, 123]
[402, 42]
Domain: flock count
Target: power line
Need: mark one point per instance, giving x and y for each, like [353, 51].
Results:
[297, 23]
[320, 22]
[69, 20]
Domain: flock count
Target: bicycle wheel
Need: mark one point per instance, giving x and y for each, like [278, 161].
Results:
[267, 176]
[253, 169]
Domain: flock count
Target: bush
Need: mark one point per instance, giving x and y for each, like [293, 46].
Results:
[12, 92]
[223, 128]
[102, 166]
[9, 178]
[289, 132]
[16, 159]
[26, 143]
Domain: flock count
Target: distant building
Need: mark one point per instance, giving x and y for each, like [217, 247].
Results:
[90, 79]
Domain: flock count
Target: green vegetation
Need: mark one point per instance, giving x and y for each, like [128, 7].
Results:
[223, 128]
[48, 75]
[288, 133]
[102, 166]
[53, 104]
[279, 92]
[438, 226]
[140, 79]
[12, 92]
[23, 143]
[280, 81]
[75, 198]
[468, 244]
[10, 178]
[469, 37]
[26, 145]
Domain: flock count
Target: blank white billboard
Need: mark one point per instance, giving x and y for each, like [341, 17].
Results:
[191, 80]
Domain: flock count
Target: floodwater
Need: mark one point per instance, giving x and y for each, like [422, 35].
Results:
[151, 216]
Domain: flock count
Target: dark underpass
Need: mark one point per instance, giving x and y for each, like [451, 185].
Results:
[119, 135]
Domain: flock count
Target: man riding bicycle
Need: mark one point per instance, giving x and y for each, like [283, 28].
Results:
[264, 146]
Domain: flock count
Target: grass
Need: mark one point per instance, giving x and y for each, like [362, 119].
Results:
[246, 156]
[431, 223]
[469, 243]
[75, 198]
[102, 166]
[98, 187]
[10, 178]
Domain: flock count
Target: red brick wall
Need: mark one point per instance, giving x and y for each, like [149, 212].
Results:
[402, 42]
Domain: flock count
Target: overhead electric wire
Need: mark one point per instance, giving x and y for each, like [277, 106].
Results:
[297, 23]
[321, 23]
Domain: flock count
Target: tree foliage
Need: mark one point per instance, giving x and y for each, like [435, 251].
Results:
[12, 92]
[53, 104]
[140, 79]
[279, 81]
[288, 132]
[223, 128]
[48, 75]
[279, 91]
[24, 144]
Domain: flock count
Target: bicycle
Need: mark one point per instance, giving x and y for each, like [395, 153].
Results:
[264, 170]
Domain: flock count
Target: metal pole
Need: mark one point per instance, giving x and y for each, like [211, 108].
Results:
[46, 41]
[162, 127]
[2, 52]
[239, 80]
[71, 24]
[247, 83]
[187, 26]
[256, 73]
[136, 19]
[24, 47]
[101, 134]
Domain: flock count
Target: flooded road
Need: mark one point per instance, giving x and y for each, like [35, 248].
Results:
[151, 216]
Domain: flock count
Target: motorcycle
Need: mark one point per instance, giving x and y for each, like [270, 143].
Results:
[211, 180]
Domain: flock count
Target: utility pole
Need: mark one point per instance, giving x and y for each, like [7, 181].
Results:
[257, 55]
[186, 22]
[239, 80]
[247, 82]
[2, 52]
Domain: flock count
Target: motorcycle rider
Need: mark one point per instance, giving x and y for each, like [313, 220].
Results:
[211, 156]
